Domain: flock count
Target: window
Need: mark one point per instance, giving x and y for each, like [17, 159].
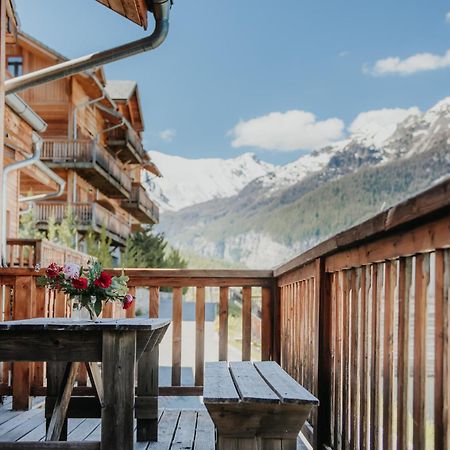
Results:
[15, 65]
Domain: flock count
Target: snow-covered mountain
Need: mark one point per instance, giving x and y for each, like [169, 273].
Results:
[286, 209]
[187, 182]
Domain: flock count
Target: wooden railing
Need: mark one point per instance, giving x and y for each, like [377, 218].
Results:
[140, 199]
[362, 321]
[84, 151]
[86, 214]
[30, 253]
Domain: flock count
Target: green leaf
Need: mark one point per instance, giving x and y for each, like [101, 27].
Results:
[98, 307]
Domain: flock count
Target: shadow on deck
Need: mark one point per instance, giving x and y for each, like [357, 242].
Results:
[180, 426]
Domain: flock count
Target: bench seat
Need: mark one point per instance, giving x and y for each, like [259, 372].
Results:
[255, 406]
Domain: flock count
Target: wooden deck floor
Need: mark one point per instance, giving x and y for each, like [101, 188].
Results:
[178, 429]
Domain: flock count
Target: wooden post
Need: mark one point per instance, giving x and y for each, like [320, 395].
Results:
[24, 293]
[323, 296]
[3, 24]
[119, 356]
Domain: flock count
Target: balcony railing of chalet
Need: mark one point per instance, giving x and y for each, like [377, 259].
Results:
[362, 321]
[86, 214]
[82, 154]
[29, 253]
[129, 148]
[141, 206]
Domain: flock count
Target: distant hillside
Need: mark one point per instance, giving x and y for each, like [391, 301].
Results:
[294, 207]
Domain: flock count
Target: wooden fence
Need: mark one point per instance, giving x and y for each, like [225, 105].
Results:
[362, 321]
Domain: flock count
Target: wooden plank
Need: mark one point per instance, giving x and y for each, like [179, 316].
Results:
[176, 336]
[355, 356]
[364, 331]
[95, 377]
[346, 360]
[50, 446]
[148, 387]
[300, 274]
[205, 435]
[432, 202]
[338, 411]
[56, 424]
[185, 431]
[199, 335]
[131, 312]
[404, 288]
[287, 389]
[219, 385]
[375, 370]
[166, 430]
[154, 302]
[388, 355]
[246, 323]
[424, 238]
[24, 292]
[119, 355]
[266, 323]
[250, 384]
[420, 317]
[442, 348]
[223, 324]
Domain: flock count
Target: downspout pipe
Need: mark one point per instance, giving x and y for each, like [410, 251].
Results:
[52, 175]
[161, 12]
[37, 144]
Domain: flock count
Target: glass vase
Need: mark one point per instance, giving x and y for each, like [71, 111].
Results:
[83, 307]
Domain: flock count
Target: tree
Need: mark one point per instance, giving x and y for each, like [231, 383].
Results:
[99, 246]
[147, 249]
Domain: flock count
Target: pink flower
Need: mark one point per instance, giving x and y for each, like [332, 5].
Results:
[71, 271]
[128, 301]
[53, 270]
[80, 283]
[104, 280]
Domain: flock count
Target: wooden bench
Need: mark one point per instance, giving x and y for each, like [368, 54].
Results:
[255, 406]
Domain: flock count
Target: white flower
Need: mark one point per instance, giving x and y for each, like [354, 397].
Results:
[71, 271]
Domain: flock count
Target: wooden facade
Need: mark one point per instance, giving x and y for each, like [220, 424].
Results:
[92, 141]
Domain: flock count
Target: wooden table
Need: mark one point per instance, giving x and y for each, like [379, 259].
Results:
[119, 345]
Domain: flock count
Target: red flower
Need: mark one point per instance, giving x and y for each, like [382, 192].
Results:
[128, 301]
[80, 283]
[104, 280]
[53, 270]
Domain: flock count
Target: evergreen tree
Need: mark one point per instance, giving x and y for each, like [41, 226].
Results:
[99, 246]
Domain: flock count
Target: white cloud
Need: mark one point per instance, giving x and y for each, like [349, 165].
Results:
[447, 17]
[380, 124]
[168, 135]
[288, 131]
[343, 53]
[420, 62]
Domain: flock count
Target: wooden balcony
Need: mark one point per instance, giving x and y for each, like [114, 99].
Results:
[32, 252]
[91, 162]
[362, 321]
[88, 215]
[141, 206]
[126, 148]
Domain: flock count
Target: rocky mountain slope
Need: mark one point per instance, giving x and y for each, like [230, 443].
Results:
[292, 208]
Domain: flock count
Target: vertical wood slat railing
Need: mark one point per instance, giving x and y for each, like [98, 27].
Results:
[257, 288]
[365, 326]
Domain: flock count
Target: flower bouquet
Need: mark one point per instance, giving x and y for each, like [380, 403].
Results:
[88, 287]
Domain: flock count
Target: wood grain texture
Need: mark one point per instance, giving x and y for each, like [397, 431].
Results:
[223, 324]
[119, 355]
[177, 306]
[246, 323]
[199, 335]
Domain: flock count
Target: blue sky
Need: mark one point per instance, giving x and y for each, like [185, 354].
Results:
[242, 65]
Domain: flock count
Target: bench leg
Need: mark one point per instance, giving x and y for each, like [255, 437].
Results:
[277, 444]
[230, 443]
[55, 377]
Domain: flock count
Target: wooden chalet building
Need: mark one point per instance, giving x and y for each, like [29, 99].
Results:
[92, 142]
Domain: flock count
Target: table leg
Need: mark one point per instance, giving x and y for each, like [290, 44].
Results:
[147, 395]
[118, 364]
[55, 379]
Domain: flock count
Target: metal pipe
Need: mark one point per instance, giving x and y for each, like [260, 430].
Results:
[161, 12]
[37, 144]
[25, 112]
